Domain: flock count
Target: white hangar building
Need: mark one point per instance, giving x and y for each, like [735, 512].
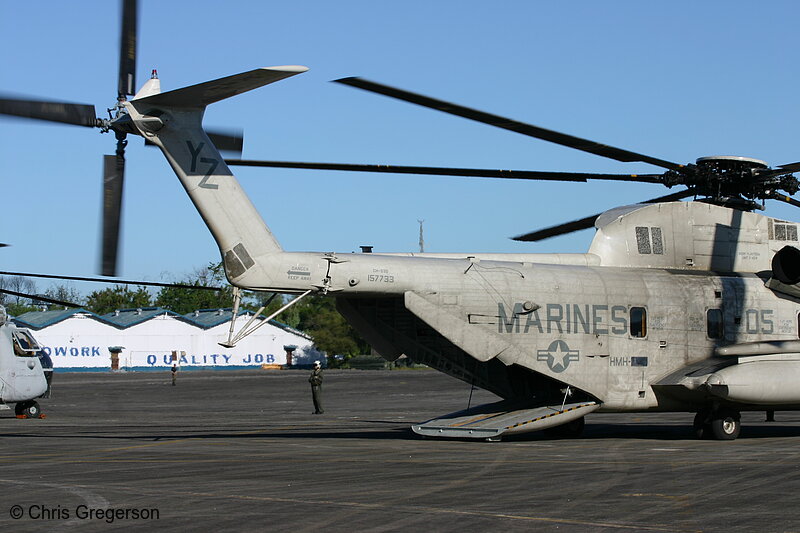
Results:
[146, 338]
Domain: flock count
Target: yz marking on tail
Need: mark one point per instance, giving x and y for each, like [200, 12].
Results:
[211, 162]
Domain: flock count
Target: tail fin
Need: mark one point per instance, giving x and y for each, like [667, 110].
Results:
[203, 94]
[173, 121]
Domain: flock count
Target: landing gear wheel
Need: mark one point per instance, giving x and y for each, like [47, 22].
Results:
[725, 424]
[28, 409]
[32, 410]
[702, 424]
[574, 429]
[571, 430]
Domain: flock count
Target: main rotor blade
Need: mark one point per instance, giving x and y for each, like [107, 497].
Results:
[785, 199]
[114, 281]
[570, 141]
[64, 112]
[39, 297]
[588, 222]
[126, 85]
[448, 171]
[561, 229]
[113, 178]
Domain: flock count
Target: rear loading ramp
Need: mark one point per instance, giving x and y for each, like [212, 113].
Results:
[496, 419]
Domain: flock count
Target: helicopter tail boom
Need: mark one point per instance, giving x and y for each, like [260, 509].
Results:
[173, 121]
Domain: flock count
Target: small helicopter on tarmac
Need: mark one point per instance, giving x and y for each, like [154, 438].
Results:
[677, 306]
[25, 370]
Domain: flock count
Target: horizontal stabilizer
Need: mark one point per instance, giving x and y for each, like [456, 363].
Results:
[202, 94]
[493, 420]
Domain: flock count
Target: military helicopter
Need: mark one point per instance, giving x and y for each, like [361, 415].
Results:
[677, 306]
[25, 370]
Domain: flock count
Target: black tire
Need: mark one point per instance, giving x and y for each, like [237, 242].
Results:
[29, 409]
[726, 425]
[574, 429]
[702, 424]
[571, 430]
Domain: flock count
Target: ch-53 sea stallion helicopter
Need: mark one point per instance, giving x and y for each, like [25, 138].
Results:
[25, 370]
[677, 306]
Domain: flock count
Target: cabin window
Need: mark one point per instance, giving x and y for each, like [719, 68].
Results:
[638, 322]
[649, 240]
[714, 324]
[783, 232]
[643, 240]
[658, 243]
[24, 344]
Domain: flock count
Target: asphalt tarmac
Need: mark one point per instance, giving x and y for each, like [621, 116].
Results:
[241, 451]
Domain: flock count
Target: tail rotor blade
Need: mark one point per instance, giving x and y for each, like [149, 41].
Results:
[113, 178]
[64, 112]
[127, 50]
[227, 141]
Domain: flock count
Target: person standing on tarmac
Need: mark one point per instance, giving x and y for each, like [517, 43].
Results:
[316, 388]
[174, 373]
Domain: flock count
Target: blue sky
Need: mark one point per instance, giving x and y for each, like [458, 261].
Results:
[676, 80]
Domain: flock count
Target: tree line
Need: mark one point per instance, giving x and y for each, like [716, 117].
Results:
[315, 315]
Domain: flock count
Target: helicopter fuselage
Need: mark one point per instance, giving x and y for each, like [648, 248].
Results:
[640, 322]
[22, 377]
[607, 322]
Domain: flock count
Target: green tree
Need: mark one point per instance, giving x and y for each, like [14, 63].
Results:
[317, 316]
[117, 297]
[291, 316]
[16, 304]
[185, 300]
[65, 293]
[16, 309]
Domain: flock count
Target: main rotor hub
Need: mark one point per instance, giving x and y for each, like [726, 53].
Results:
[723, 164]
[734, 181]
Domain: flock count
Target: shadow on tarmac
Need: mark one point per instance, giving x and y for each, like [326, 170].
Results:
[602, 431]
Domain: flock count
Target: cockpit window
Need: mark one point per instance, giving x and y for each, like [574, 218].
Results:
[24, 343]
